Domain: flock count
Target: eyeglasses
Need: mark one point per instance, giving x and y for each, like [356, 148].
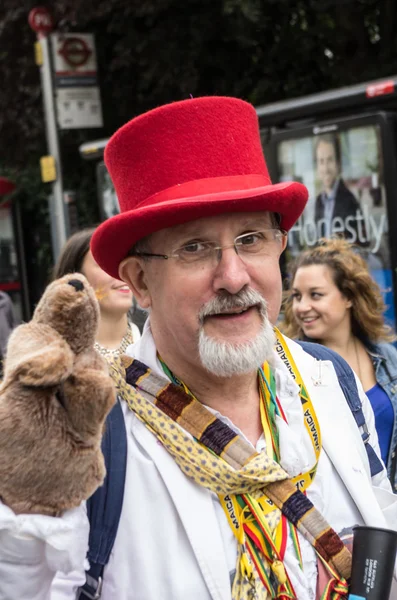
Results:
[247, 245]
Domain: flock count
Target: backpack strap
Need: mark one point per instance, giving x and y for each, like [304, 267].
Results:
[347, 382]
[104, 506]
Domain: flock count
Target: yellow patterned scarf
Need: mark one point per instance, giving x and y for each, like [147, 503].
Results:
[237, 470]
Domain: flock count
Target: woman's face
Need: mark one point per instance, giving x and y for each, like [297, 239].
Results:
[114, 296]
[319, 307]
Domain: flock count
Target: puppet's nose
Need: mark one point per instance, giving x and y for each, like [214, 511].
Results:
[77, 284]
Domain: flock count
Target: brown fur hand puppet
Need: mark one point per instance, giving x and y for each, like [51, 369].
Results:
[54, 399]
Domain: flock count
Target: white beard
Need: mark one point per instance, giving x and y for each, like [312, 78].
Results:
[225, 359]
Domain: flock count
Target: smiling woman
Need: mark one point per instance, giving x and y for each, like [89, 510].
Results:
[334, 301]
[115, 331]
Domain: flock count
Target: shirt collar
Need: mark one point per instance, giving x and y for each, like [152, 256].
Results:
[331, 197]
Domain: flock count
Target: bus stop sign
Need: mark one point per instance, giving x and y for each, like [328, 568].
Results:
[40, 20]
[75, 51]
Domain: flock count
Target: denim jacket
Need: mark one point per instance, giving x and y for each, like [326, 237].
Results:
[384, 359]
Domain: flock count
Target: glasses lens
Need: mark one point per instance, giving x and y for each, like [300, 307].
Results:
[195, 252]
[248, 244]
[257, 242]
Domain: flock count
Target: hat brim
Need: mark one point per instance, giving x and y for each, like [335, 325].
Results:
[114, 238]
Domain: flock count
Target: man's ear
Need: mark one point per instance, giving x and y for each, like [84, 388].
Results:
[284, 242]
[131, 270]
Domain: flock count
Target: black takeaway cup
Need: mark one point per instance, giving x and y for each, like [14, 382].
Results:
[374, 555]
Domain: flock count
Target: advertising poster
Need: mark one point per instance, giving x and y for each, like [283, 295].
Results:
[343, 171]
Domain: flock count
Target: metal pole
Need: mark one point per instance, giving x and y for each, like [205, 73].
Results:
[57, 206]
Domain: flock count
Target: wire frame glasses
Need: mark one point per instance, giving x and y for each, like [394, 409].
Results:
[247, 246]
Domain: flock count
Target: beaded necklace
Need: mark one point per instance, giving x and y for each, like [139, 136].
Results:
[111, 354]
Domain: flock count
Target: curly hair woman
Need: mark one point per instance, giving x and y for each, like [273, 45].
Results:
[334, 301]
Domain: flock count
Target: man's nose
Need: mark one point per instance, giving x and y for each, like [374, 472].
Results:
[231, 273]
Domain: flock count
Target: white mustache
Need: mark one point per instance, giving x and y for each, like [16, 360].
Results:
[245, 299]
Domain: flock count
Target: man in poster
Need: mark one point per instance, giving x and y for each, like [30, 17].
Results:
[337, 211]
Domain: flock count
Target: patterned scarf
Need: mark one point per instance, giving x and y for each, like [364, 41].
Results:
[220, 460]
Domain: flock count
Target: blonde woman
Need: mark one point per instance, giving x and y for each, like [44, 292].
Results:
[334, 301]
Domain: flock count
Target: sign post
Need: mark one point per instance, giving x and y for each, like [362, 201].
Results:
[77, 94]
[41, 22]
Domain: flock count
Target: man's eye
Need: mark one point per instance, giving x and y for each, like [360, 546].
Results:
[194, 247]
[251, 238]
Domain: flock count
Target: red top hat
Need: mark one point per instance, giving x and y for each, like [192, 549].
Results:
[184, 161]
[6, 186]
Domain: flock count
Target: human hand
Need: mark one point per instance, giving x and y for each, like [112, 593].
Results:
[323, 575]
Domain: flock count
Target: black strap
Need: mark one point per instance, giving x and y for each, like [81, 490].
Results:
[104, 506]
[91, 590]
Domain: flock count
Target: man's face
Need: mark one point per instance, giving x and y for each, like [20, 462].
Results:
[182, 297]
[327, 165]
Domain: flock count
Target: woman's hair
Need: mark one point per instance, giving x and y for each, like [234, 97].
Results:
[351, 276]
[73, 253]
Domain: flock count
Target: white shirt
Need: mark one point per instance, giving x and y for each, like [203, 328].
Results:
[327, 491]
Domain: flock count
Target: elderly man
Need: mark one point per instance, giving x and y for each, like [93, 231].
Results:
[235, 434]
